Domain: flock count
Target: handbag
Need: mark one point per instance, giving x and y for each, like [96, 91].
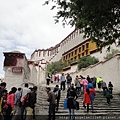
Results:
[65, 104]
[76, 104]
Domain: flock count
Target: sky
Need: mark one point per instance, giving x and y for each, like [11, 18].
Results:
[27, 25]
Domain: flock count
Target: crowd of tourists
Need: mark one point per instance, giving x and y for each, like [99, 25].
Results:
[18, 103]
[80, 86]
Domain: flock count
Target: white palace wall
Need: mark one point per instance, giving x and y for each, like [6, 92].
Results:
[109, 70]
[73, 40]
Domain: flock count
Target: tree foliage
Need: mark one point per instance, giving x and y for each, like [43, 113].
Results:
[56, 67]
[99, 20]
[110, 55]
[86, 61]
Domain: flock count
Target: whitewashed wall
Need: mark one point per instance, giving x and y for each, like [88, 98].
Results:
[13, 80]
[17, 79]
[101, 56]
[109, 70]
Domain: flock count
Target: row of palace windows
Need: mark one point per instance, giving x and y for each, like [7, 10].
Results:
[77, 53]
[48, 52]
[75, 57]
[81, 50]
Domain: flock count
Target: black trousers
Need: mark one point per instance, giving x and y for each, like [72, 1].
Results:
[108, 100]
[8, 113]
[87, 107]
[51, 115]
[78, 90]
[62, 85]
[104, 88]
[57, 105]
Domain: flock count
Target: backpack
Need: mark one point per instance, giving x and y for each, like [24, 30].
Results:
[28, 100]
[57, 94]
[77, 83]
[69, 79]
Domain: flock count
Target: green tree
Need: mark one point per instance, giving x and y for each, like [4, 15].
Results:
[70, 61]
[97, 19]
[86, 61]
[110, 55]
[56, 67]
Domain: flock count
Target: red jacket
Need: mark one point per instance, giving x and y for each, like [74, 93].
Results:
[86, 98]
[10, 100]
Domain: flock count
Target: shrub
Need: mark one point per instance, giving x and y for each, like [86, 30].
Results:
[56, 67]
[86, 61]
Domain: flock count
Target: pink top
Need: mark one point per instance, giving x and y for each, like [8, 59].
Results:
[85, 82]
[10, 100]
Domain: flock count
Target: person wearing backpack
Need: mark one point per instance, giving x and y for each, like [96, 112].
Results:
[62, 79]
[2, 88]
[71, 98]
[57, 92]
[25, 90]
[48, 78]
[52, 104]
[17, 109]
[34, 94]
[69, 80]
[78, 86]
[92, 97]
[29, 101]
[110, 86]
[107, 95]
[104, 86]
[4, 102]
[10, 103]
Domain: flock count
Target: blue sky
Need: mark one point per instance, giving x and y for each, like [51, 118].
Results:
[26, 25]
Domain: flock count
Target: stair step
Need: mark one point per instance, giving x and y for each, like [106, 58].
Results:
[100, 104]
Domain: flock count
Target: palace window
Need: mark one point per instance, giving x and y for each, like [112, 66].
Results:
[39, 53]
[72, 53]
[75, 58]
[86, 52]
[79, 56]
[66, 56]
[83, 47]
[82, 54]
[48, 53]
[87, 45]
[69, 55]
[80, 49]
[75, 52]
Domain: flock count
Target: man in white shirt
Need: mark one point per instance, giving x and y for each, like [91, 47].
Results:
[24, 92]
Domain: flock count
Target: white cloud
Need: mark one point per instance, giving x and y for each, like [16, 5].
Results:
[26, 25]
[26, 50]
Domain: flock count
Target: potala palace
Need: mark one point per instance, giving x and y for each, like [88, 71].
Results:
[19, 70]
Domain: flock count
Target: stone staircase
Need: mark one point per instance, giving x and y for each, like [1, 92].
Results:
[100, 105]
